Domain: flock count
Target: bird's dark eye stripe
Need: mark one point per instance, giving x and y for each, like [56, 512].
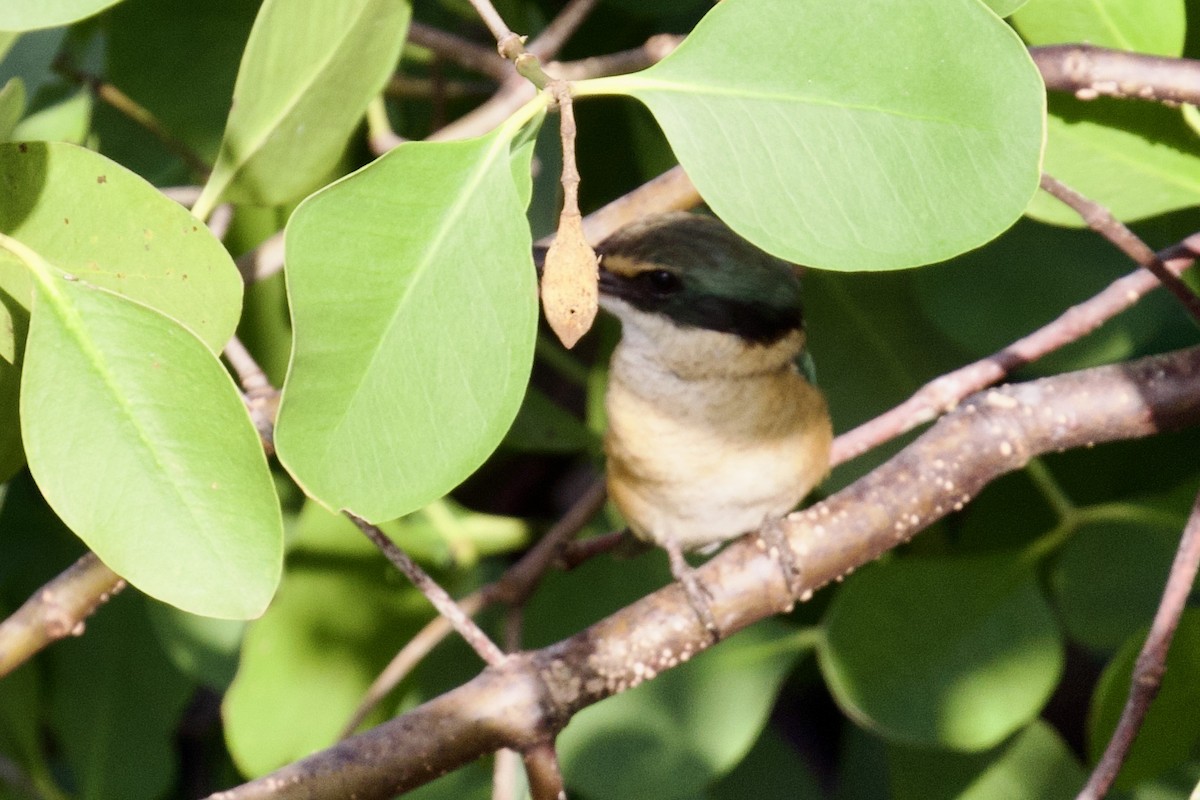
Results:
[662, 281]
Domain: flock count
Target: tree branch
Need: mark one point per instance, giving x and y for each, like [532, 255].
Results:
[1101, 220]
[1088, 72]
[57, 610]
[527, 699]
[946, 391]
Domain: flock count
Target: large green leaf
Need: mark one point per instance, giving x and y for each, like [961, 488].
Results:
[951, 653]
[672, 736]
[1169, 735]
[1137, 159]
[307, 663]
[413, 300]
[306, 77]
[92, 218]
[1108, 579]
[27, 16]
[140, 442]
[869, 134]
[1144, 26]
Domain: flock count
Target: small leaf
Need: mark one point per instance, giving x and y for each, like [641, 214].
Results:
[1136, 159]
[413, 299]
[570, 293]
[22, 16]
[880, 145]
[140, 442]
[96, 220]
[945, 653]
[306, 77]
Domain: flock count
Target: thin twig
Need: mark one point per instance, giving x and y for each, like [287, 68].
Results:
[464, 52]
[57, 610]
[407, 660]
[495, 23]
[437, 596]
[126, 105]
[1089, 72]
[405, 86]
[655, 49]
[512, 588]
[1151, 663]
[504, 774]
[262, 399]
[545, 777]
[1101, 220]
[945, 392]
[552, 38]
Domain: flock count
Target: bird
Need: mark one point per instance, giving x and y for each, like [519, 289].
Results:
[715, 427]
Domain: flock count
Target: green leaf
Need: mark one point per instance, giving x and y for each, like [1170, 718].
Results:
[773, 770]
[543, 426]
[140, 442]
[896, 135]
[672, 736]
[1168, 735]
[12, 106]
[1108, 579]
[1137, 159]
[413, 301]
[306, 77]
[951, 653]
[1003, 8]
[1036, 764]
[166, 56]
[22, 16]
[117, 702]
[306, 664]
[92, 218]
[68, 120]
[1145, 26]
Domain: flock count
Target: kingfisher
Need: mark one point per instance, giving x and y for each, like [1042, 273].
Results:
[715, 427]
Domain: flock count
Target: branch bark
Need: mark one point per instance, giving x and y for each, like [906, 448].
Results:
[527, 699]
[1088, 72]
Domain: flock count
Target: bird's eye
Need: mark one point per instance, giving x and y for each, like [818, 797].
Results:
[663, 282]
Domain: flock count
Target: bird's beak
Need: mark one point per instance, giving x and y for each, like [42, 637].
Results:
[539, 258]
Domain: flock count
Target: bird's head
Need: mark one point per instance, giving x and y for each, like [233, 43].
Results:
[674, 275]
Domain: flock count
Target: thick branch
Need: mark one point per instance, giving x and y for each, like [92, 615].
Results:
[57, 610]
[525, 700]
[1089, 72]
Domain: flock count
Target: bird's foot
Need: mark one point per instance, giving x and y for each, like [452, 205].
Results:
[699, 598]
[774, 539]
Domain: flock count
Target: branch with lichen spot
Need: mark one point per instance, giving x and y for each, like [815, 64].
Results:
[531, 696]
[1088, 72]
